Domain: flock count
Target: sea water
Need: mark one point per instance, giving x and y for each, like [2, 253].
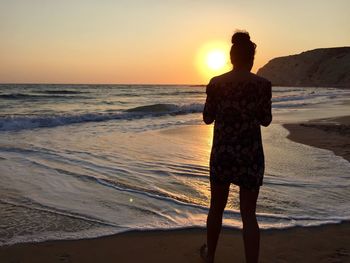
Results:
[79, 161]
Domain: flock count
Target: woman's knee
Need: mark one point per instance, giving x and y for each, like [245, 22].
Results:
[219, 196]
[217, 208]
[248, 201]
[248, 215]
[217, 205]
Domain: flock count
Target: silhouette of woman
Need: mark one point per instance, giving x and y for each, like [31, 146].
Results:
[239, 102]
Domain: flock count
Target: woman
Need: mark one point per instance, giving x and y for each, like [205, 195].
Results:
[239, 102]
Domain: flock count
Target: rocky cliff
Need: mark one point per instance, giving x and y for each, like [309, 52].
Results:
[323, 67]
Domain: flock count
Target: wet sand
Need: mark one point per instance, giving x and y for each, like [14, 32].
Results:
[332, 134]
[329, 243]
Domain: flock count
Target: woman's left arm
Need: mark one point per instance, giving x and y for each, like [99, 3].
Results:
[264, 107]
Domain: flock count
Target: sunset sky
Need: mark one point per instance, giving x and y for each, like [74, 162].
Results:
[154, 41]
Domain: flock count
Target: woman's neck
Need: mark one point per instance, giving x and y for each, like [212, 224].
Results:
[247, 67]
[241, 69]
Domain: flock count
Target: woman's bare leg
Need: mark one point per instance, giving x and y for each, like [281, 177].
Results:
[251, 233]
[218, 200]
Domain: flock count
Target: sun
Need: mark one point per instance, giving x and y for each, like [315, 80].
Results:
[213, 59]
[216, 59]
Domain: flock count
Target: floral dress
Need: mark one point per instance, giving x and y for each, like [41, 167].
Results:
[238, 107]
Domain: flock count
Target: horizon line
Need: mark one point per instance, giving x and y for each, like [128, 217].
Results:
[59, 83]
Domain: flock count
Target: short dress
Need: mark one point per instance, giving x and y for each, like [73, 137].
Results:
[239, 108]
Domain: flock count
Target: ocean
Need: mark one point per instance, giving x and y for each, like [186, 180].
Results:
[81, 161]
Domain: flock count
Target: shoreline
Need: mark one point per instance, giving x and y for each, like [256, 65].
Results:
[325, 243]
[331, 134]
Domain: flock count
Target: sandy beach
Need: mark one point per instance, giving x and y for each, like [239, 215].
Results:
[329, 243]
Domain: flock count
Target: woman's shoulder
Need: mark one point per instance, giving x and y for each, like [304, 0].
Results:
[230, 77]
[259, 79]
[223, 78]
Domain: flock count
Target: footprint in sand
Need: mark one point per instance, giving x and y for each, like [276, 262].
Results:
[64, 258]
[340, 255]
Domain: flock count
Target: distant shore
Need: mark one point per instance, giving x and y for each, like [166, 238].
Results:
[321, 67]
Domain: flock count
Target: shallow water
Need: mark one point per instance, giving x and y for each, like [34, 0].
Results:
[83, 161]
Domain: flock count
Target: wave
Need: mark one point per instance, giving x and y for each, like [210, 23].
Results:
[168, 108]
[290, 98]
[15, 96]
[176, 93]
[287, 89]
[16, 123]
[267, 218]
[30, 204]
[61, 92]
[22, 96]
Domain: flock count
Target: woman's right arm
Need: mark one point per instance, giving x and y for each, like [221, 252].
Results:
[209, 111]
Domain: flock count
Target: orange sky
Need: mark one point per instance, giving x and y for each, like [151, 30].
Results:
[154, 41]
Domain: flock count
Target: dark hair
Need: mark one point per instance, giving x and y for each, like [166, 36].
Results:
[243, 49]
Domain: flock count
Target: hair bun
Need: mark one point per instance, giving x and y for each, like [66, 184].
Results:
[240, 38]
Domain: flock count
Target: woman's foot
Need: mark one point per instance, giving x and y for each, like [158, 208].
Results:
[203, 252]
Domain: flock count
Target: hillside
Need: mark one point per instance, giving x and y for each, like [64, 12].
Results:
[323, 67]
